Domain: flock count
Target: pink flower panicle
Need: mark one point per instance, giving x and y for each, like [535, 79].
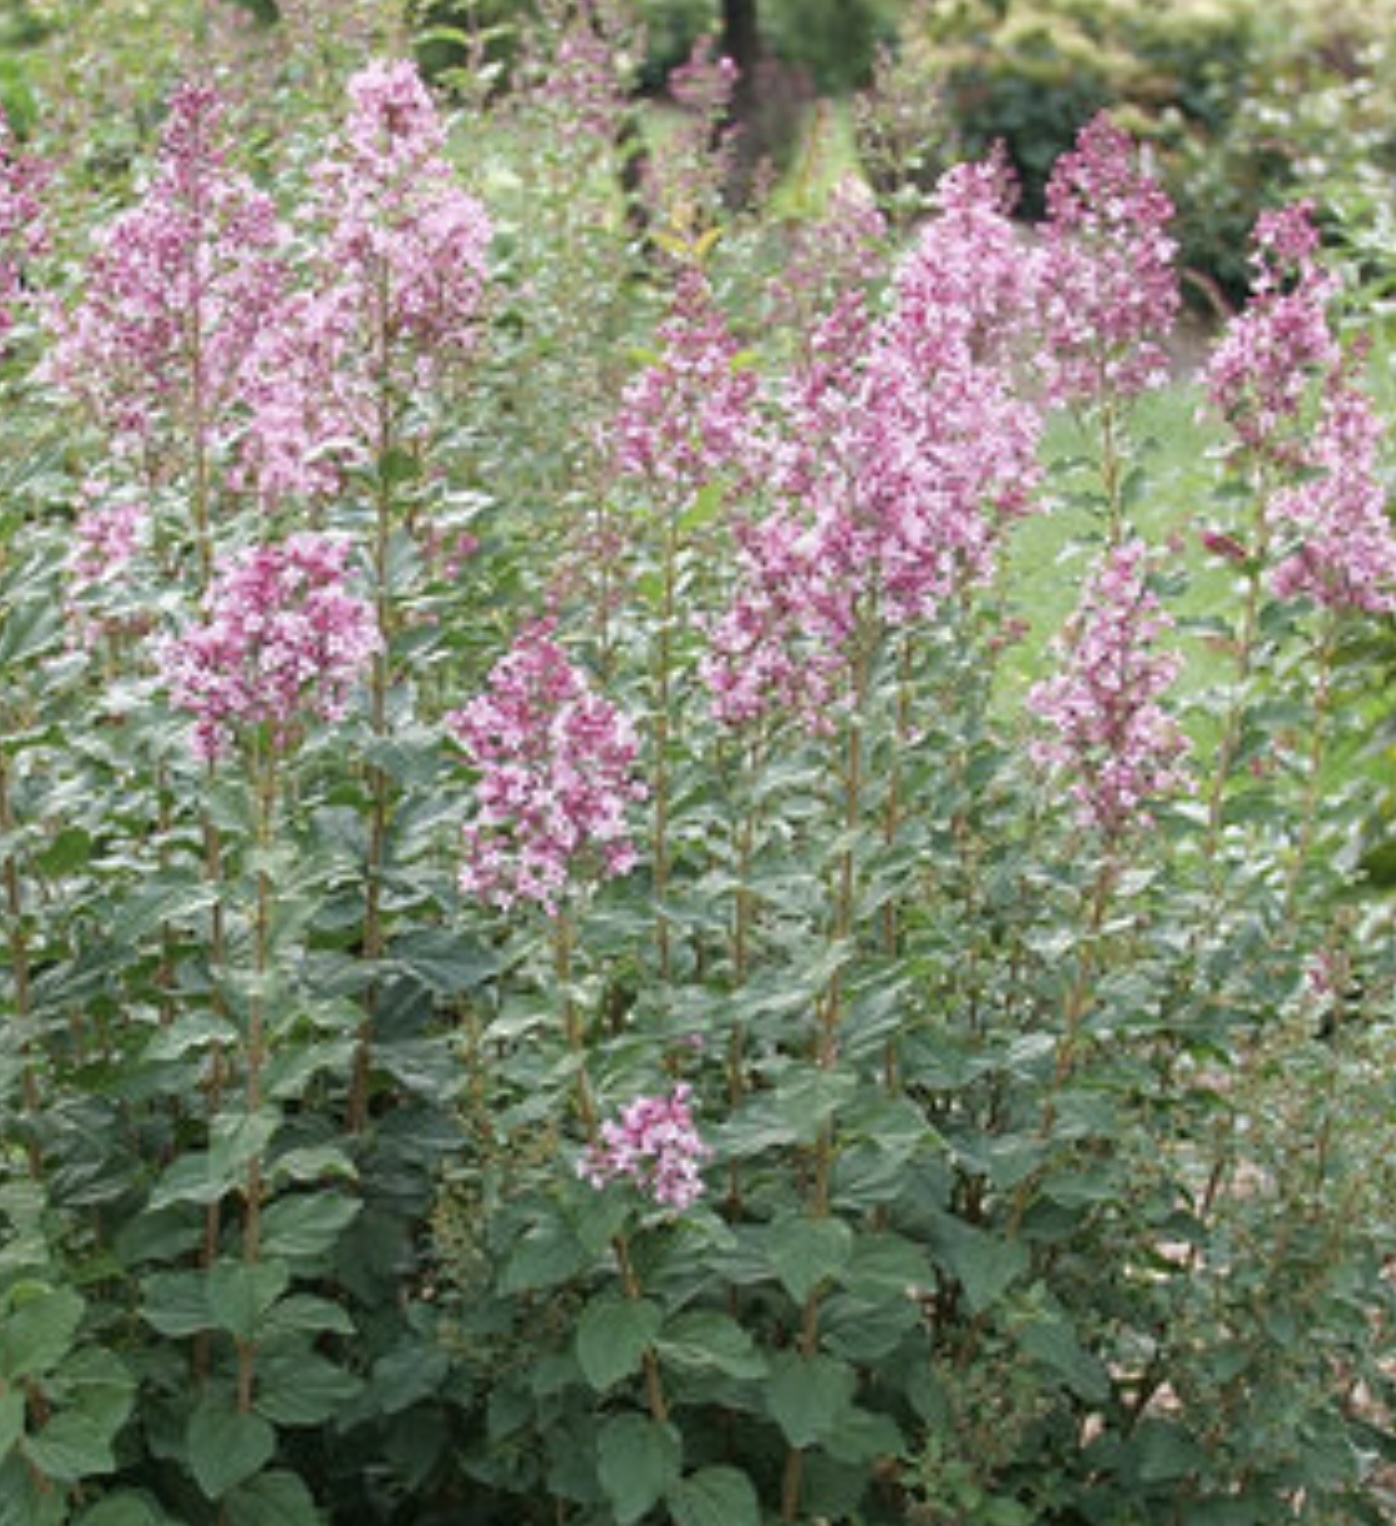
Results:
[1263, 373]
[777, 647]
[178, 288]
[904, 450]
[394, 296]
[968, 281]
[23, 235]
[1111, 734]
[1344, 551]
[398, 222]
[687, 418]
[1108, 283]
[556, 765]
[704, 82]
[105, 538]
[654, 1144]
[1282, 382]
[283, 643]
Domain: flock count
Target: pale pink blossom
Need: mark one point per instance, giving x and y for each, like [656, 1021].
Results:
[687, 418]
[391, 300]
[283, 643]
[1264, 371]
[1107, 280]
[556, 774]
[1335, 519]
[1110, 737]
[23, 232]
[656, 1145]
[176, 291]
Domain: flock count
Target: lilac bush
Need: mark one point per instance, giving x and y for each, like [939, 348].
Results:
[571, 949]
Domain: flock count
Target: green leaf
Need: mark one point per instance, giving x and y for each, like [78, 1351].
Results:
[124, 1510]
[274, 1499]
[11, 1420]
[613, 1335]
[69, 1448]
[706, 1338]
[226, 1447]
[549, 1253]
[807, 1252]
[240, 1294]
[809, 1396]
[1053, 1342]
[864, 1436]
[299, 1387]
[176, 1303]
[886, 1266]
[985, 1265]
[638, 1462]
[98, 1384]
[37, 1331]
[304, 1314]
[446, 963]
[715, 1497]
[305, 1226]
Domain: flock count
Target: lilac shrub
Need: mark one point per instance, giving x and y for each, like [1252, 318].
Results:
[564, 957]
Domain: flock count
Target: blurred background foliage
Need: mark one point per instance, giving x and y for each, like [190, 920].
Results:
[1243, 102]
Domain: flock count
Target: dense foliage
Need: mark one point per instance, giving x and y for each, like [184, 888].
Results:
[571, 951]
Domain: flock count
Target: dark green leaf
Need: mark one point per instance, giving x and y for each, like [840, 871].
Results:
[809, 1396]
[637, 1461]
[11, 1419]
[706, 1338]
[226, 1447]
[239, 1294]
[718, 1496]
[69, 1448]
[37, 1330]
[804, 1253]
[273, 1499]
[299, 1387]
[124, 1510]
[985, 1265]
[304, 1226]
[613, 1335]
[176, 1303]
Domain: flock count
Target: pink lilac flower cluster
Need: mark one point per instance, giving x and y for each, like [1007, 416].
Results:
[1107, 278]
[1336, 517]
[969, 281]
[1112, 736]
[105, 537]
[177, 290]
[1292, 398]
[687, 419]
[23, 235]
[904, 450]
[583, 83]
[654, 1144]
[284, 642]
[393, 295]
[557, 772]
[687, 168]
[1265, 369]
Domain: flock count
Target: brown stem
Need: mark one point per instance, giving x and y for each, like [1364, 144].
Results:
[663, 728]
[1318, 745]
[256, 1041]
[19, 971]
[380, 681]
